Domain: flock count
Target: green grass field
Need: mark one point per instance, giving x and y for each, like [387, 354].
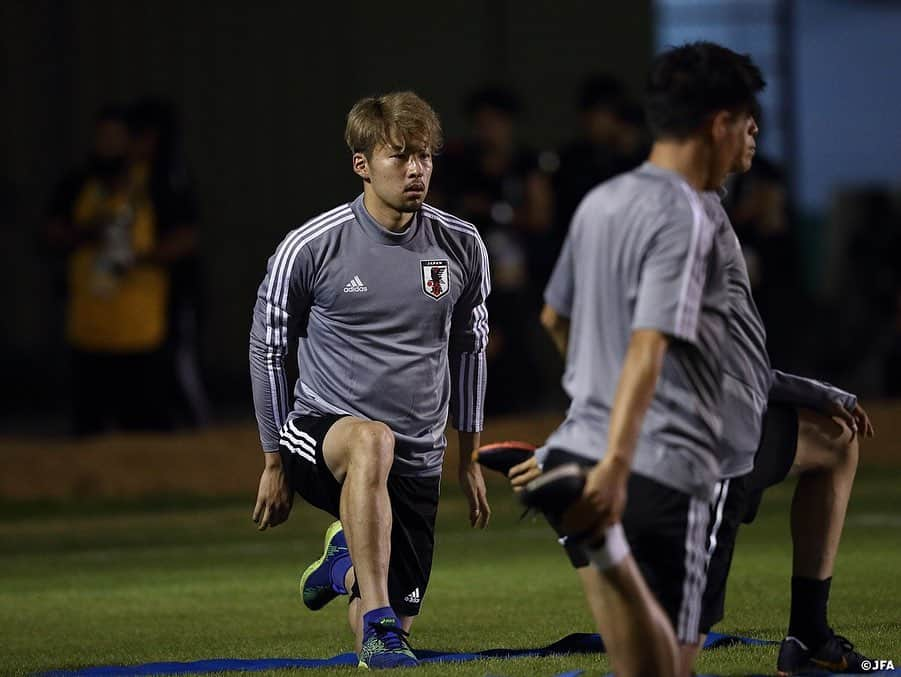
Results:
[103, 584]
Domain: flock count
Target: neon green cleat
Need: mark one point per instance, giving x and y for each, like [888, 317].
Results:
[323, 580]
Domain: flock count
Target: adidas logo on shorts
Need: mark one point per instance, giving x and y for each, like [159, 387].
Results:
[413, 597]
[355, 286]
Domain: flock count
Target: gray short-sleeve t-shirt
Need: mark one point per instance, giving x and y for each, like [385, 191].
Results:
[642, 253]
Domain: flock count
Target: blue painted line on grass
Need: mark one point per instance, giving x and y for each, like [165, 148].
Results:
[578, 643]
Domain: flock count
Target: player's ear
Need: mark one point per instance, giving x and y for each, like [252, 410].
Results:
[720, 124]
[361, 166]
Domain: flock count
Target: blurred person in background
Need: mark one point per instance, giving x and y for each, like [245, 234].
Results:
[865, 280]
[612, 139]
[106, 163]
[161, 173]
[115, 243]
[757, 203]
[115, 295]
[491, 178]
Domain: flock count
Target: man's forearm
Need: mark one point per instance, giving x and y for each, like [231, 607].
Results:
[467, 443]
[557, 328]
[807, 392]
[272, 459]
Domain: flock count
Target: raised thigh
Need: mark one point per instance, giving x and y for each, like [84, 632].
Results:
[778, 446]
[667, 533]
[301, 448]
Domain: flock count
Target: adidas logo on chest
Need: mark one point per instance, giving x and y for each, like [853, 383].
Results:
[355, 286]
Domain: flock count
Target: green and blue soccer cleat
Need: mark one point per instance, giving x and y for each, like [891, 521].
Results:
[385, 645]
[323, 580]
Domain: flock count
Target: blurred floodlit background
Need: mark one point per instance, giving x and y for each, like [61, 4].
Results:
[221, 123]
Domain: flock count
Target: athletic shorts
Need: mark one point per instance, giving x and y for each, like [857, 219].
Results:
[414, 507]
[736, 500]
[666, 531]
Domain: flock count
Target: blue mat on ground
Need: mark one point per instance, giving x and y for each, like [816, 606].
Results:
[578, 643]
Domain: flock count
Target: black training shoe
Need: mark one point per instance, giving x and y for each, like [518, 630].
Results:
[552, 492]
[794, 656]
[836, 654]
[501, 456]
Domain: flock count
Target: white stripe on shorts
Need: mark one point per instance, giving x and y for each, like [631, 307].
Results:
[719, 503]
[695, 571]
[298, 442]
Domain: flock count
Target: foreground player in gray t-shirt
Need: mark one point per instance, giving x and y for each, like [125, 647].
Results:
[638, 303]
[386, 299]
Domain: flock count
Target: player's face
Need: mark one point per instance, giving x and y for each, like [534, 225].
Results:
[746, 143]
[398, 178]
[734, 140]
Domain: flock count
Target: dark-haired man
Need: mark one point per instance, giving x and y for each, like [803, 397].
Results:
[638, 303]
[787, 422]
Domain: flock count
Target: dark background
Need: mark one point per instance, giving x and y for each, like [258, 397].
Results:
[262, 90]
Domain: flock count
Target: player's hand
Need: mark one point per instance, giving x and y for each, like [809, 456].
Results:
[523, 473]
[862, 421]
[856, 419]
[473, 485]
[274, 498]
[605, 491]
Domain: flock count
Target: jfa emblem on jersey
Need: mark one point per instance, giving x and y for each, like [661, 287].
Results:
[434, 279]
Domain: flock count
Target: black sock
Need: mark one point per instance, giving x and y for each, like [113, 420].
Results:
[808, 623]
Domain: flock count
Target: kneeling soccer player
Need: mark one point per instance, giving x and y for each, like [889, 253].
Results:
[386, 298]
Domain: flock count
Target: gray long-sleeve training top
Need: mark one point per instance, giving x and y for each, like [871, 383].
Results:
[391, 327]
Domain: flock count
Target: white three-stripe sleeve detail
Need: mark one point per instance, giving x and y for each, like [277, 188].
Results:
[276, 312]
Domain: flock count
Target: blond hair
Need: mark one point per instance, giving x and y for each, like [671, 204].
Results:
[396, 120]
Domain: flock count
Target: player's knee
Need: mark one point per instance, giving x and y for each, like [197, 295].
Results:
[826, 443]
[841, 444]
[373, 444]
[846, 447]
